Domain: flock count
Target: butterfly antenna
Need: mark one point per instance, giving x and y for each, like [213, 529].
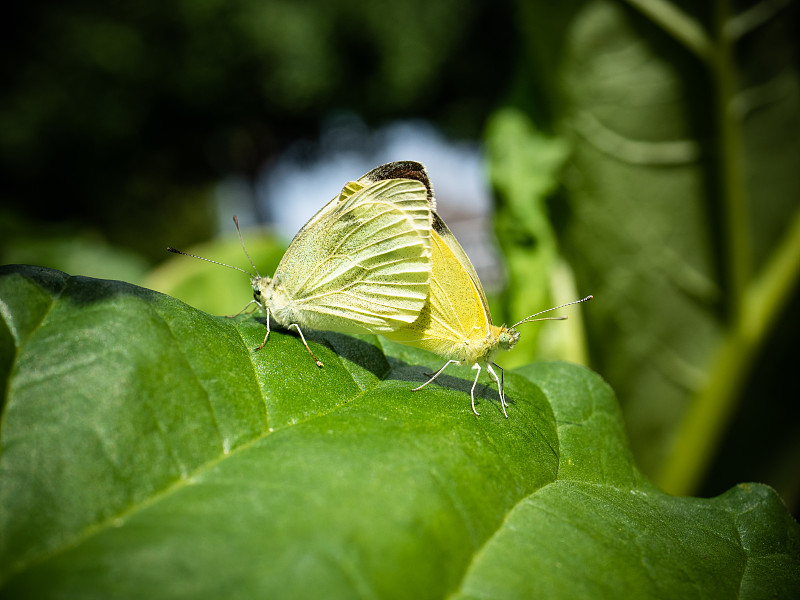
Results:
[241, 240]
[530, 318]
[216, 262]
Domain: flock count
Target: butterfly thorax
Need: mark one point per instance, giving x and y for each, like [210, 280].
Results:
[478, 348]
[498, 338]
[273, 298]
[264, 295]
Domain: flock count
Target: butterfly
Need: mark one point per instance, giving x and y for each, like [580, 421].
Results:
[378, 259]
[455, 322]
[362, 264]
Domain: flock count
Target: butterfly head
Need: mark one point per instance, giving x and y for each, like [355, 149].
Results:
[262, 289]
[508, 338]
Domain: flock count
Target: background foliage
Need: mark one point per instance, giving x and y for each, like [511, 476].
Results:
[678, 207]
[645, 151]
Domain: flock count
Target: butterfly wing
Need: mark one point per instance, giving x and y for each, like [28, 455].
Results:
[362, 264]
[455, 322]
[410, 169]
[401, 169]
[396, 170]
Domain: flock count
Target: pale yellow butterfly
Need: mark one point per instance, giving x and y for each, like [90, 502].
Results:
[455, 323]
[362, 264]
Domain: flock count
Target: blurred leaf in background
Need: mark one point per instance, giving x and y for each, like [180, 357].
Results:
[69, 246]
[678, 208]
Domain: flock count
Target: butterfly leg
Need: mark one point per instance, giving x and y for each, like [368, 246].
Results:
[302, 337]
[246, 306]
[266, 336]
[439, 372]
[500, 387]
[474, 383]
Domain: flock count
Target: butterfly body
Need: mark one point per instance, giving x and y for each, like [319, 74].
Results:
[455, 323]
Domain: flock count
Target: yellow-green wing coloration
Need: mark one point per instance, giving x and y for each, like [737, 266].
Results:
[401, 169]
[361, 265]
[409, 169]
[455, 322]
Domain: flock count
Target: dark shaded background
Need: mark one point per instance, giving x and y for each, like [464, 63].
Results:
[119, 116]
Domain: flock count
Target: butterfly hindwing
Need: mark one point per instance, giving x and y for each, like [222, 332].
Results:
[455, 321]
[365, 263]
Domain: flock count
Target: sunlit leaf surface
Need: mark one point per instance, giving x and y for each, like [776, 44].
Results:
[147, 451]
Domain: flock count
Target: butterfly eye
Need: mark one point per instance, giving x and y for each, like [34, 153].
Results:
[257, 293]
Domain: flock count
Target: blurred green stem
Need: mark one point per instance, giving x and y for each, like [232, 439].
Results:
[752, 303]
[679, 24]
[709, 413]
[730, 153]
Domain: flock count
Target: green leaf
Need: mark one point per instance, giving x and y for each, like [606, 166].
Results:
[146, 450]
[678, 202]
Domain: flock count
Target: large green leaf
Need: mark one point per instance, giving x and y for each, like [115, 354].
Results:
[148, 451]
[678, 202]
